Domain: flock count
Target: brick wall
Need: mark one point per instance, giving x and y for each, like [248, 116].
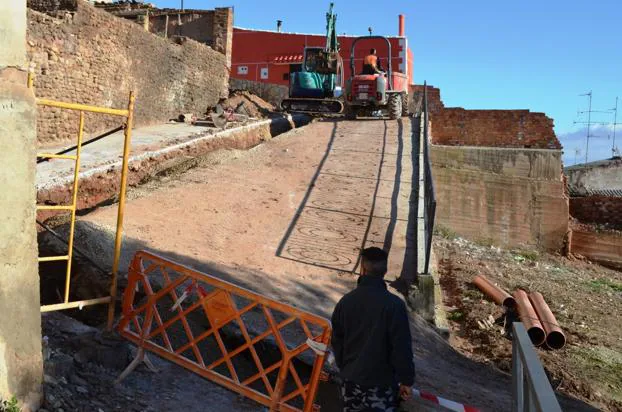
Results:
[495, 128]
[93, 57]
[602, 210]
[435, 104]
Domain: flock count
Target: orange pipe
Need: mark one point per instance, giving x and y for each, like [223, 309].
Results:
[555, 338]
[401, 29]
[500, 296]
[529, 318]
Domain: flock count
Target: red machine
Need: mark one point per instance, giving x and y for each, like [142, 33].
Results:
[368, 93]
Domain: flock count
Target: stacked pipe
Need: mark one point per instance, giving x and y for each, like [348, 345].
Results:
[533, 311]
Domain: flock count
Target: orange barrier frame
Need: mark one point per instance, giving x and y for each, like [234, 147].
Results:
[128, 114]
[181, 291]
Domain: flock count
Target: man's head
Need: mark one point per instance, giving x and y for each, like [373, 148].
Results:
[372, 51]
[374, 262]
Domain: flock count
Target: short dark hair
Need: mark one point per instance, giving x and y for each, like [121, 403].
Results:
[372, 51]
[374, 261]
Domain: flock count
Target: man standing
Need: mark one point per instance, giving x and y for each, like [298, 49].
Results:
[372, 342]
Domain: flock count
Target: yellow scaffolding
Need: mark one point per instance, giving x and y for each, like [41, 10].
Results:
[81, 108]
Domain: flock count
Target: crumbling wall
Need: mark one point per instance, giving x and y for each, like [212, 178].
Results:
[211, 27]
[496, 128]
[507, 197]
[601, 210]
[93, 57]
[435, 104]
[52, 6]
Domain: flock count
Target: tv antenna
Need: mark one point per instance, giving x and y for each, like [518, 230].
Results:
[589, 122]
[614, 150]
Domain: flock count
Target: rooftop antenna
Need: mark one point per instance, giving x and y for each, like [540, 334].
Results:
[589, 122]
[279, 24]
[370, 30]
[614, 150]
[577, 152]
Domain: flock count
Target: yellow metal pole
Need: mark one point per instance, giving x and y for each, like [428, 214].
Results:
[31, 79]
[74, 204]
[121, 210]
[83, 107]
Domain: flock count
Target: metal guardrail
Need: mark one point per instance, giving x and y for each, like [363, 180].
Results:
[531, 389]
[429, 196]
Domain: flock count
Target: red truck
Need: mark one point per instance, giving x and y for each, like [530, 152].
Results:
[386, 92]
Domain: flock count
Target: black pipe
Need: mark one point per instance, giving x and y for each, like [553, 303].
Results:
[69, 149]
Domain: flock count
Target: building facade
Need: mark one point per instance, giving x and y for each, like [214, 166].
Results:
[265, 56]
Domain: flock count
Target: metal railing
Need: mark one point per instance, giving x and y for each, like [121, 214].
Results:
[429, 195]
[531, 389]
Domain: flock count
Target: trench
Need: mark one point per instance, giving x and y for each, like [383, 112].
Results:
[90, 280]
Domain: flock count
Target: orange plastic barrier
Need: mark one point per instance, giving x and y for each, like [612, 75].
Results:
[239, 339]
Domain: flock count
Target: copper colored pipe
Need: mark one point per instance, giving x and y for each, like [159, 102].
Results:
[529, 318]
[500, 296]
[555, 338]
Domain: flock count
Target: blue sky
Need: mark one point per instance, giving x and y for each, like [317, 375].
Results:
[483, 54]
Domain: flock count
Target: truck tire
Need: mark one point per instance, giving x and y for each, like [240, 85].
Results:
[405, 105]
[395, 106]
[349, 112]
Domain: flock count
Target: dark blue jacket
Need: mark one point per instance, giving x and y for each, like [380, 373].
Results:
[371, 336]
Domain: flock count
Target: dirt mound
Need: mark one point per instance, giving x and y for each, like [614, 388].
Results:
[245, 102]
[584, 297]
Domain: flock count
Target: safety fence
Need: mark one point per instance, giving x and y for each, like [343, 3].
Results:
[531, 389]
[258, 347]
[74, 154]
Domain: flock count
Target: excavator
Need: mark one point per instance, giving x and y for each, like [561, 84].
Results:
[316, 88]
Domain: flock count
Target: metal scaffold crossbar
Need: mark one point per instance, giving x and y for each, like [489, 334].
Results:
[128, 114]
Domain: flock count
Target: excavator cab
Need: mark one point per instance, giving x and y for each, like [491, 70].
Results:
[316, 88]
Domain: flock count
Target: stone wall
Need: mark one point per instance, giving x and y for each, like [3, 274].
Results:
[53, 6]
[496, 128]
[273, 93]
[507, 197]
[601, 210]
[21, 365]
[93, 57]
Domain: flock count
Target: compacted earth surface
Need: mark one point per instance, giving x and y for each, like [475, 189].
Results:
[586, 299]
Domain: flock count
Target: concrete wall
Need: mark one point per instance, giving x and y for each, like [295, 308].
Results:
[601, 247]
[93, 57]
[21, 369]
[495, 128]
[508, 196]
[273, 93]
[598, 176]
